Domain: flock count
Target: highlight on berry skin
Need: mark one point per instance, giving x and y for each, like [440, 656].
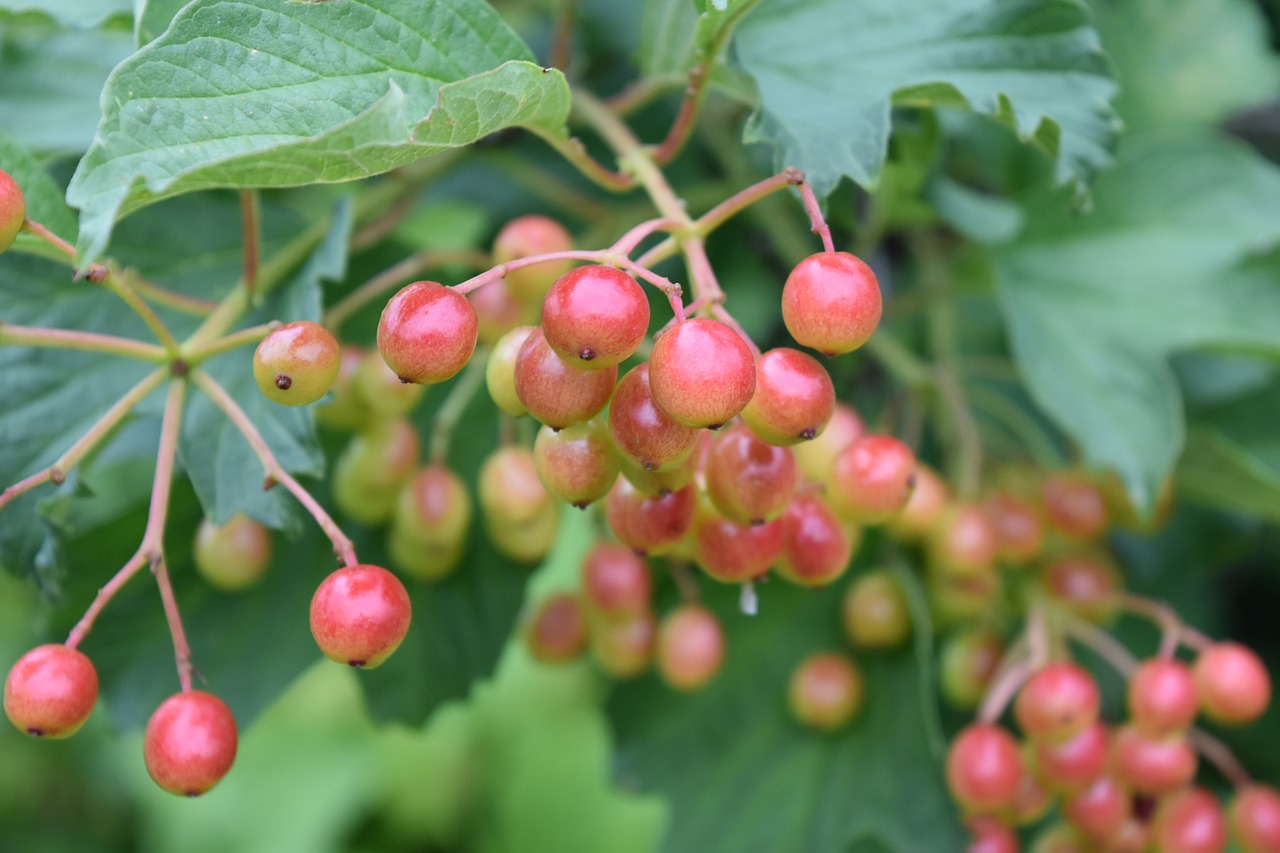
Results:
[359, 615]
[297, 363]
[50, 692]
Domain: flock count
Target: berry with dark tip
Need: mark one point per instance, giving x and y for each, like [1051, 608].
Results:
[297, 363]
[190, 743]
[595, 317]
[359, 615]
[831, 302]
[427, 332]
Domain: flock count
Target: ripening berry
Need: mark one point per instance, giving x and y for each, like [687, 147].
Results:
[1074, 763]
[872, 479]
[968, 662]
[963, 542]
[578, 464]
[1019, 532]
[924, 510]
[430, 525]
[528, 541]
[190, 743]
[524, 237]
[345, 410]
[509, 485]
[234, 555]
[702, 373]
[500, 371]
[359, 615]
[1100, 809]
[1162, 696]
[427, 332]
[650, 524]
[1061, 838]
[497, 311]
[1189, 821]
[962, 598]
[555, 631]
[1232, 683]
[831, 302]
[13, 210]
[984, 768]
[826, 691]
[1073, 505]
[624, 647]
[749, 480]
[373, 468]
[595, 317]
[1087, 584]
[643, 432]
[1152, 765]
[51, 691]
[661, 482]
[874, 612]
[615, 582]
[690, 647]
[817, 457]
[817, 547]
[991, 836]
[1255, 818]
[381, 392]
[1059, 701]
[731, 552]
[1032, 802]
[556, 393]
[296, 363]
[794, 397]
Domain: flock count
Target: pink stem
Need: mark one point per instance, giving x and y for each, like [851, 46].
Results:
[252, 236]
[626, 244]
[816, 222]
[36, 336]
[181, 649]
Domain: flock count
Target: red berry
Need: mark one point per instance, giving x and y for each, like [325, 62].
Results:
[1190, 821]
[524, 237]
[1232, 683]
[649, 524]
[872, 479]
[296, 363]
[702, 373]
[1100, 809]
[232, 556]
[991, 836]
[13, 210]
[749, 480]
[1073, 763]
[963, 542]
[1162, 696]
[1058, 702]
[427, 332]
[190, 743]
[929, 500]
[1152, 765]
[1074, 505]
[1019, 533]
[578, 464]
[359, 615]
[874, 612]
[555, 632]
[557, 393]
[984, 768]
[826, 691]
[817, 457]
[690, 647]
[794, 397]
[642, 431]
[595, 317]
[1255, 819]
[731, 552]
[51, 691]
[615, 581]
[817, 548]
[831, 302]
[660, 482]
[1086, 584]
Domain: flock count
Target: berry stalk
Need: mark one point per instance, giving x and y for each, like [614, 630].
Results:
[226, 343]
[250, 214]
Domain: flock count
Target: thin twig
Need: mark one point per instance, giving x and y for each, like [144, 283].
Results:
[36, 336]
[250, 209]
[226, 343]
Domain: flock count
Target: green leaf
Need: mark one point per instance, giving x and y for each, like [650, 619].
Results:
[675, 34]
[71, 13]
[1233, 455]
[1166, 262]
[742, 775]
[1187, 61]
[301, 93]
[829, 71]
[153, 18]
[53, 78]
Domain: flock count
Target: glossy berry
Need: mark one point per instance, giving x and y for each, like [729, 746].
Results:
[13, 210]
[650, 524]
[874, 612]
[872, 479]
[817, 457]
[431, 523]
[924, 509]
[731, 552]
[595, 317]
[794, 397]
[381, 392]
[190, 743]
[642, 431]
[1073, 763]
[375, 465]
[1074, 505]
[1232, 683]
[984, 768]
[817, 547]
[500, 371]
[1162, 696]
[1099, 809]
[826, 691]
[1152, 765]
[359, 615]
[615, 582]
[51, 691]
[1255, 818]
[1032, 801]
[296, 363]
[702, 373]
[991, 836]
[1190, 821]
[624, 647]
[660, 482]
[556, 632]
[690, 647]
[556, 393]
[831, 302]
[427, 332]
[578, 464]
[963, 541]
[968, 662]
[234, 555]
[1058, 701]
[749, 480]
[524, 237]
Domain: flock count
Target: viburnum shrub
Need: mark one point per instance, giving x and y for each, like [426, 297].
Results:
[851, 428]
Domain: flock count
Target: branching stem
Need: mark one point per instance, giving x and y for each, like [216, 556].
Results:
[36, 336]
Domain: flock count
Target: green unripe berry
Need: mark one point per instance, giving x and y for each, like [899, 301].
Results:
[875, 612]
[375, 465]
[234, 555]
[429, 529]
[13, 210]
[297, 363]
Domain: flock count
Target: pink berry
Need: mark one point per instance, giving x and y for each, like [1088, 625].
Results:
[831, 302]
[190, 743]
[1232, 683]
[359, 615]
[1162, 696]
[1058, 702]
[13, 210]
[702, 373]
[557, 393]
[1255, 819]
[984, 768]
[427, 332]
[51, 691]
[794, 397]
[595, 317]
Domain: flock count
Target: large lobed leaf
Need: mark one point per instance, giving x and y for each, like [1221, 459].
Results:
[274, 93]
[830, 71]
[1168, 261]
